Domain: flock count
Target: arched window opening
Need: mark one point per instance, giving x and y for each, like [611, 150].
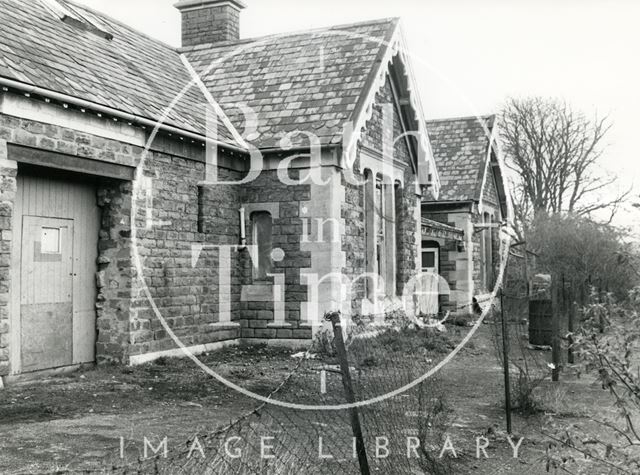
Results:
[262, 225]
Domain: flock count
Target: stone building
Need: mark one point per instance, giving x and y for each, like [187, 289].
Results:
[231, 190]
[461, 228]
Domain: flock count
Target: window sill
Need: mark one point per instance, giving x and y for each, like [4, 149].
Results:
[224, 325]
[310, 324]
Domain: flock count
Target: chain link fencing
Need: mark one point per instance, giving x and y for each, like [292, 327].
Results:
[402, 433]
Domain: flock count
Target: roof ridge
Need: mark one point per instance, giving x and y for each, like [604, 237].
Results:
[485, 117]
[254, 39]
[121, 23]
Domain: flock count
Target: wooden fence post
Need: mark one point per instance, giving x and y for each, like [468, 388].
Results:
[334, 318]
[571, 324]
[505, 358]
[555, 333]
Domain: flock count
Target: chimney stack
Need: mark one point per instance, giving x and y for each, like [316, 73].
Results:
[210, 21]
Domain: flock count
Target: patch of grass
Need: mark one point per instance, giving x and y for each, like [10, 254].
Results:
[556, 400]
[410, 340]
[391, 344]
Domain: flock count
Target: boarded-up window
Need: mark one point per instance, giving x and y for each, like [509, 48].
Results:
[263, 239]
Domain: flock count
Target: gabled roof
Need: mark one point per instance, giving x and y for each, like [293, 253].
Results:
[461, 149]
[311, 81]
[131, 72]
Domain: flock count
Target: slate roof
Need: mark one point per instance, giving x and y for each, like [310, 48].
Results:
[131, 73]
[310, 81]
[460, 149]
[313, 81]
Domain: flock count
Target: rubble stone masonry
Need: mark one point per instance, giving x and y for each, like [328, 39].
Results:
[7, 197]
[186, 295]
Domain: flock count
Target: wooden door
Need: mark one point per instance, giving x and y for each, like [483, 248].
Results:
[42, 282]
[46, 300]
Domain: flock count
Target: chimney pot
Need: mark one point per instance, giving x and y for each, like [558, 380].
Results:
[210, 21]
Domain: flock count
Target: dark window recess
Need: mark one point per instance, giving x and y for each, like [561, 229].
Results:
[201, 226]
[430, 255]
[428, 260]
[263, 239]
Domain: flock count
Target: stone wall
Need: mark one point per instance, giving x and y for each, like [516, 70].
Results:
[407, 205]
[409, 233]
[115, 272]
[259, 306]
[354, 237]
[478, 279]
[181, 257]
[8, 173]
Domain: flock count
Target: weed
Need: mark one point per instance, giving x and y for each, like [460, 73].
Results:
[162, 361]
[523, 398]
[462, 319]
[323, 344]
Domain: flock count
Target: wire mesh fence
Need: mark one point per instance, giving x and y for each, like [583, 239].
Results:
[533, 326]
[402, 427]
[404, 421]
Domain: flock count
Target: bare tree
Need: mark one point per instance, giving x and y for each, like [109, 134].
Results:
[554, 151]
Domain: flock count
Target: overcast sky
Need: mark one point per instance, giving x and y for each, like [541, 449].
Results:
[469, 55]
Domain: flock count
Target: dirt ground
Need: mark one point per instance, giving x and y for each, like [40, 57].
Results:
[75, 423]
